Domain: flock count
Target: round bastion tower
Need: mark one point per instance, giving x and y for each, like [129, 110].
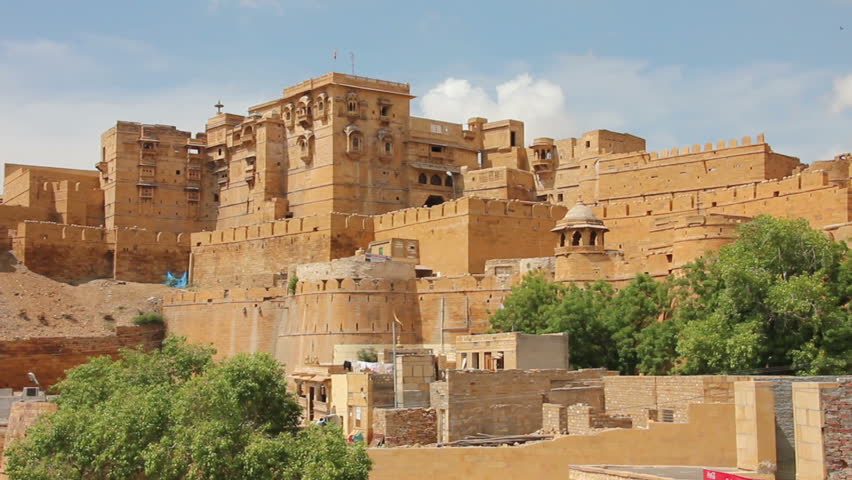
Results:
[580, 253]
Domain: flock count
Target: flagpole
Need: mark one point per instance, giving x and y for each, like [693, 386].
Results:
[393, 335]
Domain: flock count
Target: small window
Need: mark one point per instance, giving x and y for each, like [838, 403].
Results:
[388, 147]
[560, 197]
[437, 148]
[588, 144]
[513, 139]
[215, 197]
[352, 106]
[148, 146]
[436, 180]
[385, 110]
[422, 179]
[436, 128]
[356, 143]
[194, 150]
[449, 181]
[177, 172]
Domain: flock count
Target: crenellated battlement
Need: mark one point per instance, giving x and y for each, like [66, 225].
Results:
[124, 237]
[348, 285]
[60, 233]
[277, 228]
[135, 236]
[690, 149]
[468, 206]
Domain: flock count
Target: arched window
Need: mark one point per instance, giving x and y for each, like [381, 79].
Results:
[576, 239]
[593, 238]
[436, 180]
[356, 143]
[449, 181]
[388, 147]
[352, 105]
[562, 239]
[422, 179]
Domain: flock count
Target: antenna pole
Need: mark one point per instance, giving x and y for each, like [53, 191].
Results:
[352, 59]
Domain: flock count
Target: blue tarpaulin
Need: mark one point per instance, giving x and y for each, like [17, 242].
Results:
[177, 282]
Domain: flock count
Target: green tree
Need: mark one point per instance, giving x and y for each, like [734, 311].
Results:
[637, 307]
[529, 306]
[175, 413]
[777, 296]
[579, 314]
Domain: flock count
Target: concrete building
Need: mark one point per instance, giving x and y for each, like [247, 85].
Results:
[510, 351]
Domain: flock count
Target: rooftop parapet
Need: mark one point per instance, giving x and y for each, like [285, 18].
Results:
[346, 79]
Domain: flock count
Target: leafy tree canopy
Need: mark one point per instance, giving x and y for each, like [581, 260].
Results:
[175, 413]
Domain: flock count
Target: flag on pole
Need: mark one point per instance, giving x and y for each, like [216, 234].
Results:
[335, 54]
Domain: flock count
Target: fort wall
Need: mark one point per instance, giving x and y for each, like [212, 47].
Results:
[479, 230]
[74, 253]
[255, 255]
[68, 253]
[638, 223]
[49, 357]
[231, 320]
[145, 256]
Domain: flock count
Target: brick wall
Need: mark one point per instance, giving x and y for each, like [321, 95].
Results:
[784, 421]
[554, 419]
[503, 402]
[405, 426]
[644, 397]
[49, 357]
[592, 396]
[837, 432]
[416, 372]
[585, 420]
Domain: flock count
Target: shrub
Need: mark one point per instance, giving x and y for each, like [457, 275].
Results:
[291, 284]
[368, 355]
[149, 318]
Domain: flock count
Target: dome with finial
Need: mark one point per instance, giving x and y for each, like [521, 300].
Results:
[580, 216]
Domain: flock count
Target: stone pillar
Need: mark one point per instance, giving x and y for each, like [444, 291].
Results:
[755, 421]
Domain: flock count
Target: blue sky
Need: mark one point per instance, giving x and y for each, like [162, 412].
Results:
[674, 72]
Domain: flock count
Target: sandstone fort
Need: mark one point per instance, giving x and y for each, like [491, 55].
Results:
[330, 219]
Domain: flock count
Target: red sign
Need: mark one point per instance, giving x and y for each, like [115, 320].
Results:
[717, 475]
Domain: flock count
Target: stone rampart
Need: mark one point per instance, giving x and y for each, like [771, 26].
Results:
[49, 357]
[68, 253]
[145, 256]
[255, 255]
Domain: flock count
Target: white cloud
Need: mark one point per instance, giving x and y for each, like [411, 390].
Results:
[539, 103]
[842, 98]
[668, 105]
[54, 119]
